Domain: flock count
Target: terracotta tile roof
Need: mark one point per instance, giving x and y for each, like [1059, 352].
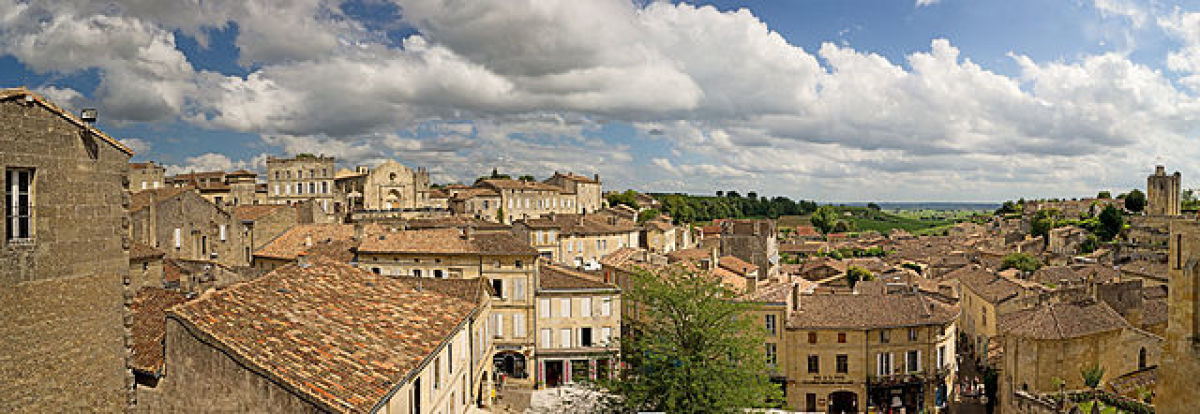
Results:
[302, 237]
[660, 225]
[553, 277]
[142, 199]
[1057, 275]
[1062, 321]
[581, 224]
[139, 251]
[621, 257]
[255, 212]
[737, 265]
[825, 311]
[575, 177]
[469, 193]
[987, 285]
[778, 291]
[693, 254]
[336, 335]
[21, 92]
[147, 331]
[805, 247]
[242, 173]
[143, 165]
[711, 230]
[1097, 273]
[518, 185]
[807, 231]
[458, 222]
[445, 241]
[1154, 292]
[822, 262]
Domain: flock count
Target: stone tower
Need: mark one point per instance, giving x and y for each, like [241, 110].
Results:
[1162, 193]
[1179, 375]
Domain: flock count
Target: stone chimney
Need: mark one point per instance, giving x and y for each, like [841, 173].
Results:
[795, 297]
[596, 177]
[468, 233]
[303, 260]
[308, 241]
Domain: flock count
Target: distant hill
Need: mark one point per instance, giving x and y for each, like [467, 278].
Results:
[927, 205]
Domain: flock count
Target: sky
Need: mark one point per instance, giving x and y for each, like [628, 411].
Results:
[849, 100]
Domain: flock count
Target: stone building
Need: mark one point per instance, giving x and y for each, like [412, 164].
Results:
[399, 345]
[506, 262]
[480, 203]
[300, 178]
[63, 260]
[588, 192]
[287, 246]
[889, 350]
[184, 225]
[146, 176]
[754, 241]
[576, 239]
[1162, 193]
[659, 236]
[984, 297]
[145, 267]
[1179, 375]
[260, 224]
[218, 187]
[578, 322]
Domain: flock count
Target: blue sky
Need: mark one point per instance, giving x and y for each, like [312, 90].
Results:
[830, 100]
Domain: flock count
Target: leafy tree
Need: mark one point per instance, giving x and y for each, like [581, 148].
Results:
[732, 194]
[527, 178]
[500, 214]
[1043, 221]
[1092, 375]
[720, 193]
[752, 195]
[843, 226]
[1135, 201]
[1104, 195]
[647, 215]
[873, 206]
[1090, 244]
[628, 197]
[495, 175]
[1111, 222]
[855, 274]
[1007, 208]
[1021, 261]
[824, 219]
[693, 348]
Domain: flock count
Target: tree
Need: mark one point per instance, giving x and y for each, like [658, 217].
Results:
[527, 177]
[647, 215]
[855, 274]
[1090, 244]
[873, 206]
[1007, 208]
[692, 348]
[500, 214]
[1135, 201]
[843, 226]
[628, 197]
[824, 219]
[1104, 195]
[1091, 377]
[1111, 223]
[752, 195]
[732, 194]
[1021, 261]
[1043, 221]
[720, 193]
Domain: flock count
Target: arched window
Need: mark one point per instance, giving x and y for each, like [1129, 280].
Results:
[1142, 358]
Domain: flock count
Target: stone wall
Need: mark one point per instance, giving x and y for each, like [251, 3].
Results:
[62, 345]
[1179, 375]
[200, 377]
[199, 222]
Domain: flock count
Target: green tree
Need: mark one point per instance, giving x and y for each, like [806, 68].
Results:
[855, 274]
[527, 177]
[1007, 208]
[628, 197]
[500, 214]
[1111, 222]
[1091, 377]
[1104, 195]
[1090, 244]
[1043, 221]
[824, 219]
[692, 349]
[1135, 201]
[873, 206]
[1021, 261]
[647, 215]
[843, 226]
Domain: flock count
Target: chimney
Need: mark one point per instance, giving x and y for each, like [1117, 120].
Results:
[308, 241]
[795, 297]
[303, 260]
[468, 233]
[596, 177]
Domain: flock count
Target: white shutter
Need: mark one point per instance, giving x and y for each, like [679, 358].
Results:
[605, 335]
[500, 324]
[518, 289]
[606, 307]
[565, 308]
[222, 232]
[879, 365]
[918, 360]
[585, 307]
[544, 307]
[565, 338]
[518, 326]
[178, 238]
[545, 338]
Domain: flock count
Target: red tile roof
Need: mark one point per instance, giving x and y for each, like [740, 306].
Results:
[582, 224]
[445, 241]
[255, 212]
[848, 311]
[554, 277]
[518, 185]
[303, 237]
[339, 336]
[147, 331]
[737, 265]
[1062, 321]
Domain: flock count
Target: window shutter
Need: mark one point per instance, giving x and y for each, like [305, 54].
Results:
[585, 307]
[544, 307]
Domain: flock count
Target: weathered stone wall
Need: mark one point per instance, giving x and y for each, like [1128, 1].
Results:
[758, 247]
[199, 222]
[202, 378]
[152, 176]
[62, 343]
[1162, 193]
[146, 272]
[1179, 375]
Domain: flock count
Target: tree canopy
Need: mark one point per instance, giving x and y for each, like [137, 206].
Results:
[824, 219]
[1021, 261]
[1135, 201]
[628, 197]
[855, 274]
[1111, 222]
[692, 348]
[685, 208]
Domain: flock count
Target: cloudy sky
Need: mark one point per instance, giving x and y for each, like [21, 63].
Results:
[849, 100]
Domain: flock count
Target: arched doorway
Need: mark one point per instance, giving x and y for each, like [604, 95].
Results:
[392, 200]
[843, 402]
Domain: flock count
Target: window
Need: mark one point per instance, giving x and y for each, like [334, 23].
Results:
[544, 308]
[843, 364]
[540, 238]
[417, 272]
[605, 335]
[883, 336]
[437, 372]
[606, 307]
[564, 305]
[585, 307]
[517, 264]
[772, 354]
[814, 364]
[564, 337]
[519, 326]
[450, 358]
[912, 334]
[178, 236]
[545, 338]
[841, 337]
[222, 231]
[1142, 358]
[812, 337]
[18, 204]
[883, 364]
[941, 357]
[299, 188]
[913, 362]
[437, 273]
[585, 336]
[771, 325]
[499, 324]
[498, 286]
[312, 188]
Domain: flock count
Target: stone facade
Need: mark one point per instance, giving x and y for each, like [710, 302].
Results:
[186, 226]
[1162, 193]
[1179, 376]
[589, 192]
[754, 241]
[146, 176]
[303, 177]
[391, 185]
[578, 323]
[575, 239]
[62, 298]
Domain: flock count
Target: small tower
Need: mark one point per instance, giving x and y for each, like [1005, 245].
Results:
[1162, 193]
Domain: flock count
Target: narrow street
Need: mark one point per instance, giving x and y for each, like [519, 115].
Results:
[962, 403]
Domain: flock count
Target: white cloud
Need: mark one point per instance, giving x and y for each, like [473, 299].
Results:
[1127, 8]
[138, 145]
[922, 3]
[213, 161]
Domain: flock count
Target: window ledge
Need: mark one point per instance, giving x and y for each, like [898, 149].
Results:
[21, 243]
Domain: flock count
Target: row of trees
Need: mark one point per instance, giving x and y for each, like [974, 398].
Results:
[686, 208]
